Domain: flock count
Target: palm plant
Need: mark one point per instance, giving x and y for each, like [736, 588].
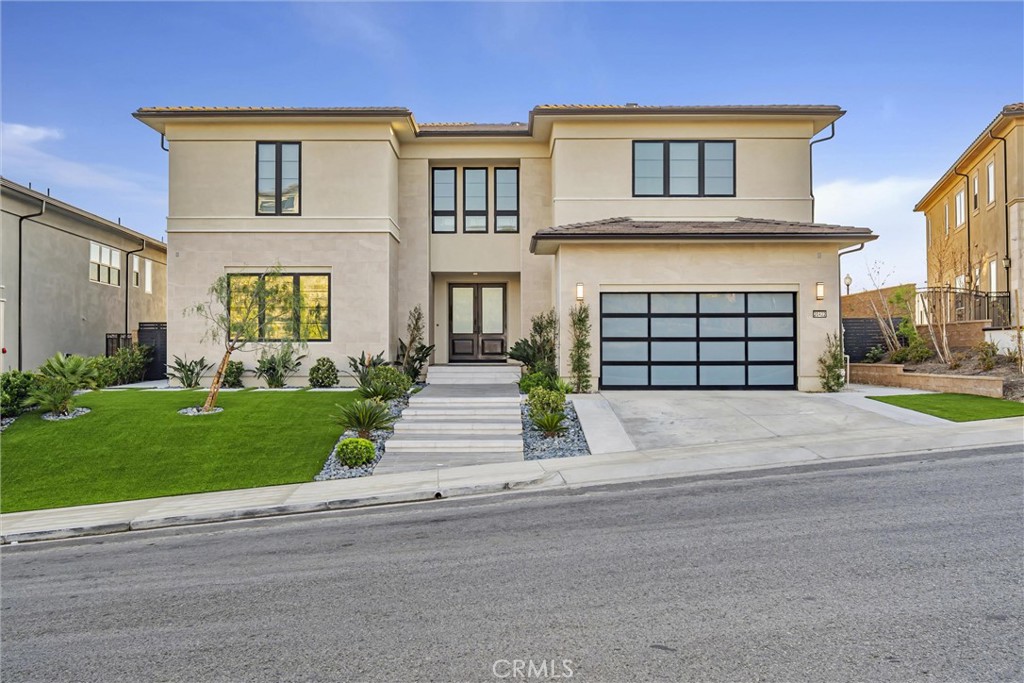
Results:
[53, 395]
[550, 424]
[364, 417]
[78, 371]
[276, 368]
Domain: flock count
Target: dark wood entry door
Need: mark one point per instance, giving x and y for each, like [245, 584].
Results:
[477, 323]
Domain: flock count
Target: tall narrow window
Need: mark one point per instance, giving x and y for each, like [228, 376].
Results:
[506, 200]
[928, 230]
[945, 216]
[474, 199]
[961, 213]
[136, 265]
[149, 276]
[993, 276]
[684, 168]
[104, 264]
[278, 178]
[990, 182]
[974, 196]
[443, 196]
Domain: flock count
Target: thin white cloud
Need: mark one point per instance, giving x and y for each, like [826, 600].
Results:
[20, 134]
[886, 206]
[365, 28]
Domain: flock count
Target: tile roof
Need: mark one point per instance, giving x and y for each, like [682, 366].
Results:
[1014, 108]
[689, 109]
[299, 111]
[629, 228]
[465, 128]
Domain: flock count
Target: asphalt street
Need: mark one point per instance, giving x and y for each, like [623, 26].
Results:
[904, 570]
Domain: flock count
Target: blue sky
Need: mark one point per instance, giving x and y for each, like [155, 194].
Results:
[72, 73]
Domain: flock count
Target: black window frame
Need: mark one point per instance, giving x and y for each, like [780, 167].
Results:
[475, 212]
[507, 212]
[697, 315]
[434, 212]
[665, 171]
[277, 178]
[297, 310]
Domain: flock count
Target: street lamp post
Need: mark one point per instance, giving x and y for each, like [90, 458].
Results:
[847, 281]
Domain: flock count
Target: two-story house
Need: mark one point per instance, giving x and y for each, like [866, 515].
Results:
[70, 280]
[974, 222]
[688, 231]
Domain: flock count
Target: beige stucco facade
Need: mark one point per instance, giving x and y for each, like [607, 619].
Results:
[366, 216]
[49, 302]
[981, 247]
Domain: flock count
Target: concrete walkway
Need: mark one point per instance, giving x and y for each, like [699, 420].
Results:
[607, 468]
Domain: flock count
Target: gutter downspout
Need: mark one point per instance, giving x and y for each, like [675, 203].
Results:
[967, 214]
[21, 269]
[1006, 209]
[831, 134]
[839, 288]
[127, 287]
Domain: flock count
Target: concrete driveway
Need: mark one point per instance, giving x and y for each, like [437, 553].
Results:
[666, 419]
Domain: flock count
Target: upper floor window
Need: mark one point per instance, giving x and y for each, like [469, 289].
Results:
[990, 182]
[506, 200]
[443, 200]
[281, 307]
[928, 229]
[974, 196]
[142, 272]
[961, 215]
[684, 168]
[277, 178]
[136, 271]
[474, 200]
[945, 216]
[104, 264]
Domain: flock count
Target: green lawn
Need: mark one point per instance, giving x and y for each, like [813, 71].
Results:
[956, 407]
[134, 445]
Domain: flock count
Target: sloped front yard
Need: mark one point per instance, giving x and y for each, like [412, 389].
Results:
[135, 445]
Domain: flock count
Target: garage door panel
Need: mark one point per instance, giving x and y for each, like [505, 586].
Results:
[707, 339]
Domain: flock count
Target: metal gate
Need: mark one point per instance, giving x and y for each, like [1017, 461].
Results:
[154, 335]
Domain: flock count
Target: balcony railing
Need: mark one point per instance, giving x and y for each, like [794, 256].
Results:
[963, 305]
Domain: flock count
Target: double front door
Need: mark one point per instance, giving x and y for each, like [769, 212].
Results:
[476, 323]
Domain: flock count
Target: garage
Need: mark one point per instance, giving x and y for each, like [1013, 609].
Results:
[690, 340]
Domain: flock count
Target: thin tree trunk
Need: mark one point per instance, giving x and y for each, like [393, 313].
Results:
[211, 398]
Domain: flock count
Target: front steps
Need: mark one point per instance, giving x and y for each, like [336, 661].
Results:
[450, 423]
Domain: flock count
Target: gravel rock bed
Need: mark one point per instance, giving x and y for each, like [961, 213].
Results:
[333, 469]
[193, 411]
[7, 422]
[53, 417]
[536, 446]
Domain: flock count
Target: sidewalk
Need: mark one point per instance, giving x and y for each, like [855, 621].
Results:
[583, 471]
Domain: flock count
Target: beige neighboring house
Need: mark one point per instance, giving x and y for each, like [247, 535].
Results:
[688, 230]
[68, 278]
[974, 217]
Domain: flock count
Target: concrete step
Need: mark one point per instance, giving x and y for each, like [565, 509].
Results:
[425, 442]
[417, 401]
[473, 379]
[419, 461]
[442, 411]
[460, 425]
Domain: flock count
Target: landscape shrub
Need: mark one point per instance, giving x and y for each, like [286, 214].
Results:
[356, 452]
[832, 364]
[874, 354]
[53, 394]
[364, 417]
[323, 374]
[413, 355]
[362, 365]
[539, 352]
[536, 379]
[900, 355]
[956, 360]
[987, 352]
[384, 383]
[919, 351]
[579, 352]
[15, 388]
[233, 372]
[77, 371]
[550, 424]
[276, 367]
[187, 372]
[541, 401]
[126, 366]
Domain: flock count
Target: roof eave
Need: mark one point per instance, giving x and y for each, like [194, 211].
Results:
[555, 240]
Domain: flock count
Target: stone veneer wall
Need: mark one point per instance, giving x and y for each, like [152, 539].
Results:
[889, 375]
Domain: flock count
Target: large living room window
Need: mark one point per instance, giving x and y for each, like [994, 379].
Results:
[681, 168]
[474, 199]
[443, 200]
[506, 200]
[277, 178]
[289, 306]
[104, 264]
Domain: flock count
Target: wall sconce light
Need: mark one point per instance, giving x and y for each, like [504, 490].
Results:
[819, 291]
[579, 291]
[1006, 263]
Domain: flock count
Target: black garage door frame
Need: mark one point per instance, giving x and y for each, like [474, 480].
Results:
[696, 338]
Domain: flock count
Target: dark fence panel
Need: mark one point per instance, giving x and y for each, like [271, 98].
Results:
[117, 340]
[862, 334]
[154, 335]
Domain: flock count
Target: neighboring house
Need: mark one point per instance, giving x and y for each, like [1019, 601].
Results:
[688, 231]
[69, 278]
[974, 217]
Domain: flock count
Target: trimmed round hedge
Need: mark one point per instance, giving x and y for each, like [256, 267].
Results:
[356, 452]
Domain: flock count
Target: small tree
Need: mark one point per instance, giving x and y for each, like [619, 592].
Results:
[579, 354]
[414, 354]
[233, 310]
[882, 307]
[832, 365]
[938, 305]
